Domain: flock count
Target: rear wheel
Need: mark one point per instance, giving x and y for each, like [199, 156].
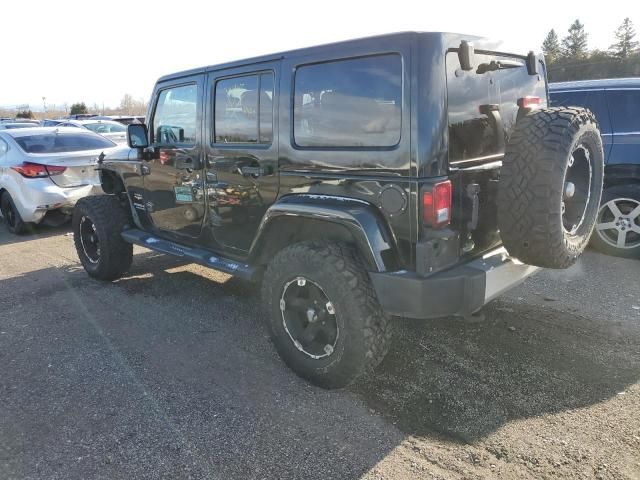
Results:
[617, 229]
[98, 222]
[11, 216]
[323, 315]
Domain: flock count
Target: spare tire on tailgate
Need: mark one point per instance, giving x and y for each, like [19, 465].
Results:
[550, 186]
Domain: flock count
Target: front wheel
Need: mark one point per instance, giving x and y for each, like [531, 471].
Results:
[323, 315]
[98, 222]
[617, 229]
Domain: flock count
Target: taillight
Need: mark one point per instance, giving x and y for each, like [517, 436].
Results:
[436, 205]
[529, 102]
[35, 170]
[54, 169]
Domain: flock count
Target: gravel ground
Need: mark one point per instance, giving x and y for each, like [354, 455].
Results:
[168, 373]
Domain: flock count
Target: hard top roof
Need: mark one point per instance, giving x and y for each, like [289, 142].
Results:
[446, 37]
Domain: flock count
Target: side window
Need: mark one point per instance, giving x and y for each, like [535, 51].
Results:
[244, 109]
[592, 99]
[349, 103]
[624, 106]
[175, 116]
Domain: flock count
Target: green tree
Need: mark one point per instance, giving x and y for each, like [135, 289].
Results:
[551, 47]
[25, 114]
[78, 108]
[625, 44]
[574, 45]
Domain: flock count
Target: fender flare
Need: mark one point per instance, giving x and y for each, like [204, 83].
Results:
[119, 168]
[361, 219]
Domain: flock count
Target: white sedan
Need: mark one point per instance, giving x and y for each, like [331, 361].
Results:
[45, 171]
[114, 131]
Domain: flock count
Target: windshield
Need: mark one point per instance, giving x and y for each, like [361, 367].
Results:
[62, 142]
[106, 127]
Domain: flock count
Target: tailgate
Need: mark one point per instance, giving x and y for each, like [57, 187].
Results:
[482, 111]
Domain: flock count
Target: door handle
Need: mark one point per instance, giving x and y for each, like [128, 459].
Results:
[255, 171]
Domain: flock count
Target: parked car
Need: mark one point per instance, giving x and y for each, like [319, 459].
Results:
[616, 104]
[357, 181]
[114, 131]
[10, 126]
[20, 120]
[48, 122]
[123, 119]
[81, 116]
[44, 171]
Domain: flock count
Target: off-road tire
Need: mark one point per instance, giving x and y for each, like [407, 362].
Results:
[532, 185]
[17, 226]
[365, 328]
[110, 217]
[621, 194]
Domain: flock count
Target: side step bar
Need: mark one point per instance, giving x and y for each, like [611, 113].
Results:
[197, 255]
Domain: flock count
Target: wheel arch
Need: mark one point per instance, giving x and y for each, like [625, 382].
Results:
[111, 181]
[297, 218]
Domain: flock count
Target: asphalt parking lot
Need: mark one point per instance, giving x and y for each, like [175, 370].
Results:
[168, 373]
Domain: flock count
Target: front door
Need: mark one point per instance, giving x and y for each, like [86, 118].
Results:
[173, 178]
[242, 157]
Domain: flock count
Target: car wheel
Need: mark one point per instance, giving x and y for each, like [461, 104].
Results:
[97, 223]
[550, 186]
[617, 229]
[11, 216]
[323, 315]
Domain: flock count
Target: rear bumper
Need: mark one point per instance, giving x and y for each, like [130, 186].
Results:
[35, 198]
[460, 290]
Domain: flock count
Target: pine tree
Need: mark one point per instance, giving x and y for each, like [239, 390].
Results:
[551, 47]
[625, 44]
[574, 45]
[78, 108]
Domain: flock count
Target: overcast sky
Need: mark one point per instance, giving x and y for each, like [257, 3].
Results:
[90, 51]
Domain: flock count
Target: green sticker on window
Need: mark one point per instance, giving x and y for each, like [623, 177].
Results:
[183, 194]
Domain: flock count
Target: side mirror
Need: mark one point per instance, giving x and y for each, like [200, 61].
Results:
[137, 135]
[465, 55]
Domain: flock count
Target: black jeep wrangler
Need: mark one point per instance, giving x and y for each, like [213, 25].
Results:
[414, 175]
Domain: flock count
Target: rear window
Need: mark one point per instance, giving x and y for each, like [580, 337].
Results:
[496, 81]
[594, 100]
[349, 103]
[62, 142]
[624, 106]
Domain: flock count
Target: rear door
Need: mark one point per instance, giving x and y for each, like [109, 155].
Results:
[242, 151]
[173, 178]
